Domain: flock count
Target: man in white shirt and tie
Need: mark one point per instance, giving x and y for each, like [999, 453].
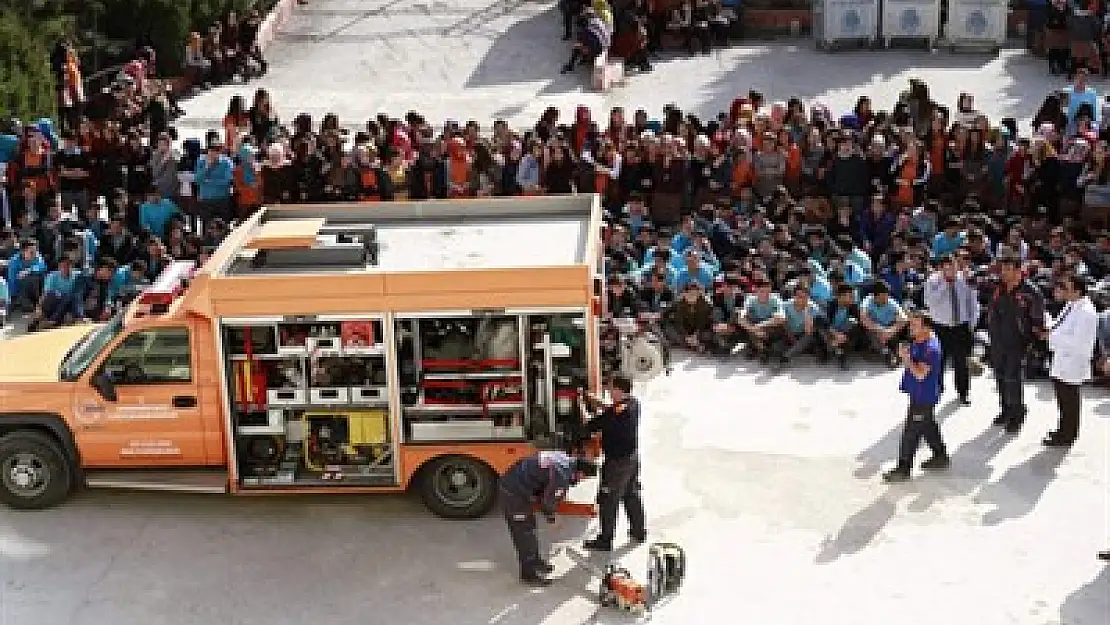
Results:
[1071, 337]
[953, 305]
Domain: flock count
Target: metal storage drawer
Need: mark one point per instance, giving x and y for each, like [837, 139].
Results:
[452, 431]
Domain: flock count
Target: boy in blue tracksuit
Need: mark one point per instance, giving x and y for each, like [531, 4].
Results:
[26, 272]
[61, 300]
[922, 360]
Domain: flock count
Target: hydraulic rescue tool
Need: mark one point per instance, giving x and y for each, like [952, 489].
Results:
[619, 589]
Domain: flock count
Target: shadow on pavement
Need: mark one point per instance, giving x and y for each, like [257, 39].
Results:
[1017, 491]
[1089, 604]
[861, 529]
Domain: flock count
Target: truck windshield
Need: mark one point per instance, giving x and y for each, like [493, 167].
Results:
[82, 354]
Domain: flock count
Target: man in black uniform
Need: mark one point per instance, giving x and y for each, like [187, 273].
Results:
[619, 424]
[1015, 317]
[543, 477]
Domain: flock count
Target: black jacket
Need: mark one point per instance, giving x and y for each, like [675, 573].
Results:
[619, 426]
[545, 476]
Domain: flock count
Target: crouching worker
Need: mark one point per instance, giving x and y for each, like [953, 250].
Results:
[542, 478]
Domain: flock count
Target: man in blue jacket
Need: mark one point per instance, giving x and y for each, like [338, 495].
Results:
[542, 478]
[26, 272]
[214, 174]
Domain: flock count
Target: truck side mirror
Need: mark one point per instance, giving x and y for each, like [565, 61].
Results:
[105, 386]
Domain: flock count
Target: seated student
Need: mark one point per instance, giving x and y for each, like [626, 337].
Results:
[656, 295]
[658, 262]
[61, 302]
[762, 319]
[694, 270]
[900, 277]
[5, 301]
[26, 272]
[803, 317]
[884, 321]
[841, 327]
[728, 301]
[155, 214]
[692, 319]
[98, 304]
[622, 301]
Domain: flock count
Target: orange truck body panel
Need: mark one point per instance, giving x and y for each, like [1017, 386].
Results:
[145, 428]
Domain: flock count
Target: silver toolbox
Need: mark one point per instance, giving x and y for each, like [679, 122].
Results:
[369, 394]
[329, 395]
[452, 431]
[285, 396]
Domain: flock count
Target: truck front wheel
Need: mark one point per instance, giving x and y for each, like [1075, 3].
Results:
[34, 472]
[458, 487]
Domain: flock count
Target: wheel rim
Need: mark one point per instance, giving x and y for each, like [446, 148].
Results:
[25, 475]
[457, 484]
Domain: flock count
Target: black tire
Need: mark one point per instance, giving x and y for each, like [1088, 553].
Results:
[33, 456]
[458, 487]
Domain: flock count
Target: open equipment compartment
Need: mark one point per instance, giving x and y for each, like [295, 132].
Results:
[309, 401]
[490, 375]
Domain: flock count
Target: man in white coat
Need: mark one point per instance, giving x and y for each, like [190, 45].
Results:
[1071, 337]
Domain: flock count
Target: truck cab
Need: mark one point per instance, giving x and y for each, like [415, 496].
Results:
[322, 349]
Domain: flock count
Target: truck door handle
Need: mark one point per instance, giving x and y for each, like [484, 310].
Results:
[184, 401]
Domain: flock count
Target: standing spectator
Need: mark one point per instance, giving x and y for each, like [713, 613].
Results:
[1015, 318]
[1084, 32]
[1071, 337]
[73, 167]
[953, 305]
[214, 174]
[263, 120]
[770, 167]
[1057, 37]
[922, 359]
[1078, 94]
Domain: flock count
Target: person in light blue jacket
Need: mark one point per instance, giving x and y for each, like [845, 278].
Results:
[528, 171]
[62, 299]
[948, 241]
[5, 301]
[213, 174]
[26, 271]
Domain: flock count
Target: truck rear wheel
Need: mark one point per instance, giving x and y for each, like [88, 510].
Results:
[34, 472]
[458, 487]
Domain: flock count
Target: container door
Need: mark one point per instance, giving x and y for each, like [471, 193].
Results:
[155, 419]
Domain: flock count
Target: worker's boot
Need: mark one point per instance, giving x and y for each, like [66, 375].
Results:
[535, 577]
[1104, 556]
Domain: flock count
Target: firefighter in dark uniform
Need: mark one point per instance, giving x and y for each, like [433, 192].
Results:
[1015, 318]
[542, 478]
[619, 424]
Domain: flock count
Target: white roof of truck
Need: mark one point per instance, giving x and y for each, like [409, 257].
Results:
[437, 235]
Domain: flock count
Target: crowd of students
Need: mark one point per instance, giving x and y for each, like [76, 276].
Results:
[778, 226]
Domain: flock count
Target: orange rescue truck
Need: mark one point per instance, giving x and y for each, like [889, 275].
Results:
[324, 348]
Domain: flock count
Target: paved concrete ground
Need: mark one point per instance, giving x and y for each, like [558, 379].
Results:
[483, 59]
[771, 483]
